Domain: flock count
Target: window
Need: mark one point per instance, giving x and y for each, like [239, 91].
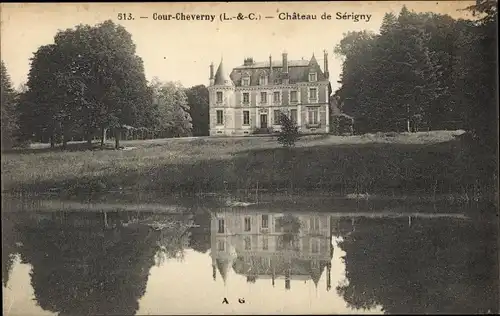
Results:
[248, 225]
[265, 221]
[281, 243]
[245, 81]
[315, 264]
[315, 245]
[219, 96]
[294, 96]
[263, 80]
[246, 97]
[265, 243]
[313, 116]
[313, 77]
[248, 243]
[276, 97]
[293, 116]
[313, 94]
[277, 226]
[263, 97]
[246, 117]
[315, 223]
[221, 226]
[220, 117]
[220, 245]
[277, 114]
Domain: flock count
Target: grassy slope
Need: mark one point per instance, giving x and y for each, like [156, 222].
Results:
[403, 164]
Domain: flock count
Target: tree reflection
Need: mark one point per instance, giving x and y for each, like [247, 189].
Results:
[434, 266]
[200, 233]
[82, 266]
[9, 245]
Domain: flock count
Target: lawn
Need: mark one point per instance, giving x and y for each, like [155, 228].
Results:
[425, 163]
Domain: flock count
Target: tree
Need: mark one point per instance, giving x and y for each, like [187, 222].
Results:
[289, 133]
[96, 82]
[198, 109]
[171, 109]
[9, 111]
[412, 79]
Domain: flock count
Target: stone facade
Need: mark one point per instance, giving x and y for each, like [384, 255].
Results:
[250, 98]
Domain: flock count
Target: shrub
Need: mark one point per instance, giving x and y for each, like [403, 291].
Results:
[289, 133]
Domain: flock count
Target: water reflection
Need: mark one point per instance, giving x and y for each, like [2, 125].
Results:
[125, 262]
[272, 246]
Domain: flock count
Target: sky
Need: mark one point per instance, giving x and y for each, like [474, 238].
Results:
[183, 50]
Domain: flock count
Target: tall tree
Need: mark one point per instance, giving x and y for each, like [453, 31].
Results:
[96, 82]
[9, 111]
[198, 109]
[110, 74]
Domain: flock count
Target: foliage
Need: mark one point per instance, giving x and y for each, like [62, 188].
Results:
[289, 133]
[427, 71]
[9, 111]
[419, 269]
[96, 82]
[198, 109]
[171, 108]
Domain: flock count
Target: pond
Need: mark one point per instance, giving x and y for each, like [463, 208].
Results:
[72, 258]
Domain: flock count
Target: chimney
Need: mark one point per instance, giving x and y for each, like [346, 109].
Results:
[329, 277]
[325, 70]
[270, 63]
[285, 68]
[287, 279]
[248, 61]
[211, 73]
[285, 62]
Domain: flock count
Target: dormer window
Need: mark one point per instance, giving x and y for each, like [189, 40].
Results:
[245, 81]
[313, 77]
[263, 81]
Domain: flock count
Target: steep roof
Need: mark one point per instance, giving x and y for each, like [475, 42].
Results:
[221, 77]
[223, 266]
[298, 71]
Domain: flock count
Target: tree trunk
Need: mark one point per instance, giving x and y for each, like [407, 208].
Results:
[89, 138]
[103, 136]
[52, 141]
[64, 137]
[408, 125]
[117, 139]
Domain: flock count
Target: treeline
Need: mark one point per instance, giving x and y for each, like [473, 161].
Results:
[90, 83]
[423, 71]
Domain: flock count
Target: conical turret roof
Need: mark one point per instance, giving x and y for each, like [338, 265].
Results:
[222, 78]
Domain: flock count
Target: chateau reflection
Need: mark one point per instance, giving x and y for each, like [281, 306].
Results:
[258, 246]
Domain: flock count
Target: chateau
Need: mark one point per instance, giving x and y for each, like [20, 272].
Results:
[251, 97]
